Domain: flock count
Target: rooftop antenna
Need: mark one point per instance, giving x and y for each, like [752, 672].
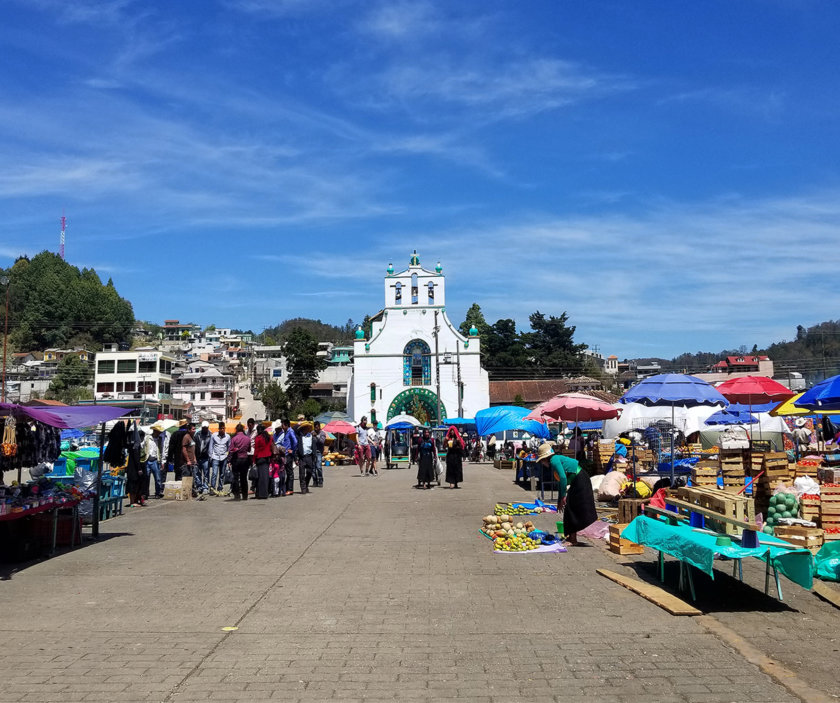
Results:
[61, 245]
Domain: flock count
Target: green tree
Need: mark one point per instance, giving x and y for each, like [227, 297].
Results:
[519, 400]
[303, 362]
[551, 344]
[309, 408]
[503, 347]
[475, 318]
[275, 399]
[72, 380]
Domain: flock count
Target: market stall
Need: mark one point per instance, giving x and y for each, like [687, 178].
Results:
[32, 439]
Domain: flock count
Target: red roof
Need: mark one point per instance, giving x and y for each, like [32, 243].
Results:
[742, 360]
[537, 391]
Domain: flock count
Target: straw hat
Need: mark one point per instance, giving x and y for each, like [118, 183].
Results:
[800, 422]
[546, 451]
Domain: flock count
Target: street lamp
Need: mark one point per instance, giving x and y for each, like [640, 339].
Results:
[4, 280]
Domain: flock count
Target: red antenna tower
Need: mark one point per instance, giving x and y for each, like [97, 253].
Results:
[61, 246]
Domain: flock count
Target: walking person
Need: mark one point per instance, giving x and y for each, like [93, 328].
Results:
[426, 458]
[306, 456]
[202, 456]
[252, 434]
[289, 443]
[319, 438]
[219, 452]
[190, 465]
[240, 445]
[134, 473]
[363, 447]
[174, 455]
[151, 450]
[375, 449]
[276, 472]
[262, 457]
[574, 490]
[455, 451]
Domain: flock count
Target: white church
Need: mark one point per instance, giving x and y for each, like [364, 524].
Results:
[413, 351]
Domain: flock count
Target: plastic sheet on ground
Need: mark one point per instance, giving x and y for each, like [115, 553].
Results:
[827, 562]
[545, 549]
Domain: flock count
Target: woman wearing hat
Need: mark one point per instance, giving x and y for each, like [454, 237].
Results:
[574, 491]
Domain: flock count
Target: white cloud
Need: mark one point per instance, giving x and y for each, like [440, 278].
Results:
[401, 20]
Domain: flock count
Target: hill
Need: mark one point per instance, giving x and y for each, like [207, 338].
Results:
[55, 304]
[321, 331]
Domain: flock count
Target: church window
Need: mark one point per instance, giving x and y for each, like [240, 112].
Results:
[415, 291]
[372, 392]
[417, 364]
[431, 293]
[398, 293]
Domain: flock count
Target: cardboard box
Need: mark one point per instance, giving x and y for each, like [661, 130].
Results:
[172, 490]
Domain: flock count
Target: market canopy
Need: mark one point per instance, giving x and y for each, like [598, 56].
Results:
[508, 417]
[674, 389]
[727, 416]
[753, 390]
[573, 407]
[67, 416]
[788, 408]
[327, 417]
[824, 396]
[402, 421]
[459, 421]
[339, 427]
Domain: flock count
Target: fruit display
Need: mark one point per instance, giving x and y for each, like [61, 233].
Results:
[782, 505]
[517, 543]
[503, 527]
[512, 509]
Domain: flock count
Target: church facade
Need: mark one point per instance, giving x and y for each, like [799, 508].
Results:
[415, 361]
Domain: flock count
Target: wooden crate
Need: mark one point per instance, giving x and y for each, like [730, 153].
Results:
[805, 470]
[505, 464]
[619, 545]
[809, 507]
[704, 473]
[732, 506]
[830, 536]
[812, 538]
[630, 508]
[829, 506]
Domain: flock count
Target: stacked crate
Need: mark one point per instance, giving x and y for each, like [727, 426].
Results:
[731, 506]
[732, 470]
[830, 510]
[704, 474]
[601, 454]
[809, 507]
[619, 545]
[771, 468]
[811, 538]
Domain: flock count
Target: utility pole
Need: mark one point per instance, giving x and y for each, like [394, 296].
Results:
[6, 282]
[437, 368]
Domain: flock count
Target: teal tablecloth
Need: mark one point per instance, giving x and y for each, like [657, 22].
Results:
[699, 549]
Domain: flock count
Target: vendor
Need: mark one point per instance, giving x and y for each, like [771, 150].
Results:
[574, 491]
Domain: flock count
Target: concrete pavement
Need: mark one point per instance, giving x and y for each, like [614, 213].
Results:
[368, 589]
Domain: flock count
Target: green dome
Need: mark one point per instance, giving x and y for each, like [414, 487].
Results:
[390, 269]
[473, 331]
[438, 268]
[360, 333]
[415, 260]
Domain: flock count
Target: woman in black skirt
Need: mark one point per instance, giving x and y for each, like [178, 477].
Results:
[455, 451]
[426, 458]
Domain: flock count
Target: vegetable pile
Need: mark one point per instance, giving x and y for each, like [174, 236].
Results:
[782, 505]
[502, 527]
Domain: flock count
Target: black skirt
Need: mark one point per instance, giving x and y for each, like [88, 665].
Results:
[426, 468]
[580, 504]
[454, 466]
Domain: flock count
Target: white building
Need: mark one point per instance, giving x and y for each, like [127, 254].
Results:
[396, 370]
[209, 391]
[135, 378]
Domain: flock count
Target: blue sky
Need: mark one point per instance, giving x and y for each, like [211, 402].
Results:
[665, 172]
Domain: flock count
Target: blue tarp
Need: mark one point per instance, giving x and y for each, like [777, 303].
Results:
[508, 417]
[731, 417]
[71, 434]
[586, 426]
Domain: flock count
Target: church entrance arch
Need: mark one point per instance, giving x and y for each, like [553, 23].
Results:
[417, 402]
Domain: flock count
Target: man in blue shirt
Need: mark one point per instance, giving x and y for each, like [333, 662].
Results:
[289, 443]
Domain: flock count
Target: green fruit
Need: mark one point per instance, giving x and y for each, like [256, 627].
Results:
[767, 529]
[771, 510]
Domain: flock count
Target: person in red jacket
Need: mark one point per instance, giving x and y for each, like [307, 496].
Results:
[262, 459]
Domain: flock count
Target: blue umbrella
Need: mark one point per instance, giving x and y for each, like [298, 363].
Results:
[508, 417]
[728, 416]
[824, 396]
[671, 390]
[459, 421]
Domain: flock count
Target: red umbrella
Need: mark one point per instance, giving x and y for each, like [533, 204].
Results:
[573, 407]
[754, 390]
[339, 427]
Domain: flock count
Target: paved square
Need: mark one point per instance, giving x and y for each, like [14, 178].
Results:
[370, 590]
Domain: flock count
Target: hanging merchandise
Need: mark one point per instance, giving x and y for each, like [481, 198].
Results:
[117, 444]
[9, 446]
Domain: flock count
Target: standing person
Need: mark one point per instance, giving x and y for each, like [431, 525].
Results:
[202, 456]
[574, 491]
[375, 449]
[801, 437]
[289, 442]
[455, 450]
[262, 457]
[319, 437]
[577, 445]
[173, 452]
[219, 452]
[134, 473]
[151, 449]
[491, 447]
[190, 466]
[276, 470]
[426, 458]
[252, 433]
[306, 456]
[363, 447]
[240, 445]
